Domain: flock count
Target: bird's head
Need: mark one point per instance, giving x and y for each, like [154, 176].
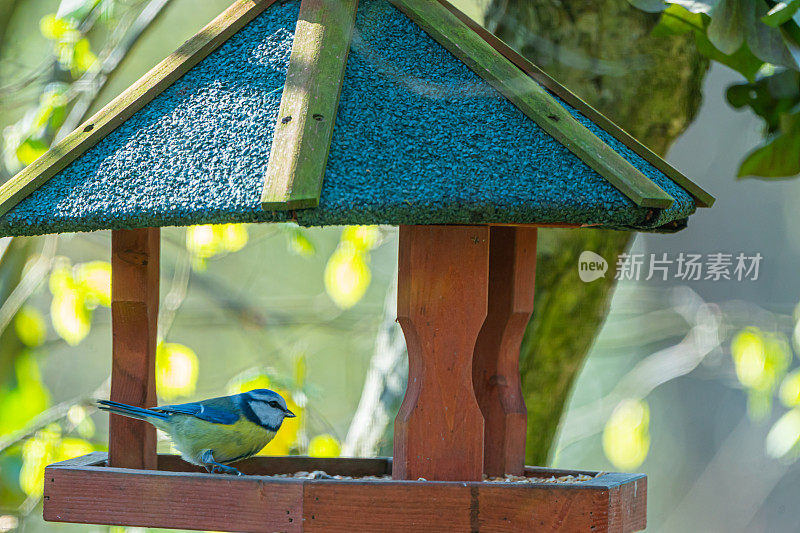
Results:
[268, 407]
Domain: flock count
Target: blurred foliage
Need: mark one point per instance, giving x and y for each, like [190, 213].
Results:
[68, 32]
[26, 399]
[626, 436]
[761, 360]
[207, 241]
[324, 445]
[761, 41]
[45, 447]
[77, 291]
[347, 274]
[177, 368]
[768, 360]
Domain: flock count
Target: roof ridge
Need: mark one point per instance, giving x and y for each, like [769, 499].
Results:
[309, 105]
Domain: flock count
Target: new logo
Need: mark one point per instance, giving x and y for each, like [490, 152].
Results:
[591, 266]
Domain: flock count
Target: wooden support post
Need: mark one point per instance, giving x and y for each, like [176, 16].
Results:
[512, 273]
[134, 312]
[441, 305]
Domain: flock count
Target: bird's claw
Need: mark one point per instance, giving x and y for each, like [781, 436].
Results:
[225, 470]
[216, 468]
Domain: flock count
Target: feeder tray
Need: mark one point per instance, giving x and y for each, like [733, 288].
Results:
[85, 490]
[233, 128]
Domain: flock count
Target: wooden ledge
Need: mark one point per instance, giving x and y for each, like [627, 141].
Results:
[84, 490]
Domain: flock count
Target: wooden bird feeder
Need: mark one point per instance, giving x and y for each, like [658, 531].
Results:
[439, 128]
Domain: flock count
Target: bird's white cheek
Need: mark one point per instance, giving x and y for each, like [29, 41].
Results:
[268, 416]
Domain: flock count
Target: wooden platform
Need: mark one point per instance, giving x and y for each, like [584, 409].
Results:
[84, 490]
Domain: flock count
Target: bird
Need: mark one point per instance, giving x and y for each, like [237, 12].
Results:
[215, 432]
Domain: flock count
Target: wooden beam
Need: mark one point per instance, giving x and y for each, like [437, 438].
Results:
[496, 379]
[129, 102]
[134, 314]
[441, 306]
[309, 104]
[174, 500]
[533, 100]
[701, 197]
[84, 490]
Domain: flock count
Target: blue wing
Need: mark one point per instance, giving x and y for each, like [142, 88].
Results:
[216, 410]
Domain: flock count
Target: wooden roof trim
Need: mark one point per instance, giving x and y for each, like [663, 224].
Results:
[310, 101]
[130, 101]
[533, 100]
[701, 197]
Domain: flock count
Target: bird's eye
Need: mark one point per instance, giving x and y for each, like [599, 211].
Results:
[273, 403]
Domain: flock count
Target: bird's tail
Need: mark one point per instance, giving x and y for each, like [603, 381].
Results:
[124, 409]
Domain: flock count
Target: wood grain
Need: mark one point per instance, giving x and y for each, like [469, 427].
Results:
[117, 496]
[553, 508]
[83, 490]
[309, 105]
[386, 506]
[701, 197]
[495, 371]
[134, 314]
[129, 102]
[628, 505]
[441, 306]
[533, 100]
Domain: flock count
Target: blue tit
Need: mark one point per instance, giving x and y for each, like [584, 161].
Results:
[212, 433]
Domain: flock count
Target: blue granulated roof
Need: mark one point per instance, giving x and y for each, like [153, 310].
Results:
[419, 139]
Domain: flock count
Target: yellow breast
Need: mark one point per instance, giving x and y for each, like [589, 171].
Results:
[228, 442]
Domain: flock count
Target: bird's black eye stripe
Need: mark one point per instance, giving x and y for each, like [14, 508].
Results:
[273, 403]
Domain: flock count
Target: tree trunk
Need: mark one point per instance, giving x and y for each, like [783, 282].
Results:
[604, 52]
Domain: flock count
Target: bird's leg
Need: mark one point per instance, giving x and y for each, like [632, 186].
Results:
[207, 458]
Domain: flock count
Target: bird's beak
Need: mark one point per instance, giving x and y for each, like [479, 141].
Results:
[290, 414]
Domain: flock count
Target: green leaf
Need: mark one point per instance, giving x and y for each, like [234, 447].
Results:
[779, 157]
[726, 31]
[324, 445]
[770, 97]
[781, 13]
[94, 278]
[28, 398]
[30, 150]
[784, 436]
[298, 243]
[71, 319]
[651, 6]
[30, 326]
[233, 237]
[766, 42]
[364, 238]
[678, 21]
[55, 28]
[742, 61]
[626, 436]
[177, 367]
[83, 57]
[347, 275]
[790, 390]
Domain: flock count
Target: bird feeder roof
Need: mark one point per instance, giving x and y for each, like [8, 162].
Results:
[419, 138]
